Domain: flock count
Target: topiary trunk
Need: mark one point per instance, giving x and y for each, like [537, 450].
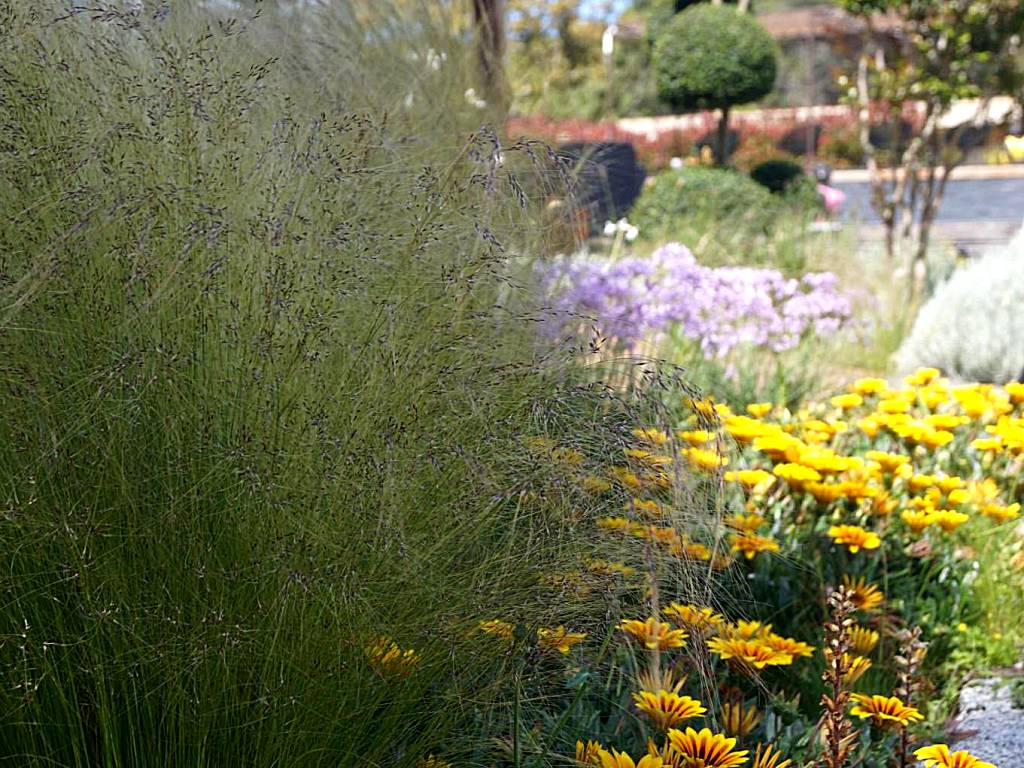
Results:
[722, 144]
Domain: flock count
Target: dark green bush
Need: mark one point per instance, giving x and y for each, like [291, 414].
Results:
[711, 57]
[777, 176]
[703, 194]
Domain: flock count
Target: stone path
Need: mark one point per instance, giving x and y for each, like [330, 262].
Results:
[991, 728]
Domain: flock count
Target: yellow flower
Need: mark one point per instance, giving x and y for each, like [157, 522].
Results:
[385, 656]
[654, 634]
[752, 544]
[748, 652]
[696, 436]
[595, 485]
[616, 759]
[939, 756]
[916, 520]
[779, 446]
[950, 483]
[869, 386]
[559, 639]
[948, 520]
[747, 629]
[738, 720]
[705, 407]
[604, 568]
[921, 377]
[869, 425]
[769, 758]
[694, 617]
[1001, 513]
[619, 524]
[846, 402]
[589, 753]
[794, 648]
[705, 749]
[651, 435]
[760, 410]
[645, 508]
[895, 405]
[854, 537]
[756, 481]
[863, 640]
[796, 474]
[983, 491]
[667, 709]
[433, 762]
[856, 666]
[889, 462]
[865, 596]
[748, 523]
[958, 496]
[743, 429]
[1015, 390]
[883, 504]
[498, 628]
[705, 460]
[626, 477]
[987, 444]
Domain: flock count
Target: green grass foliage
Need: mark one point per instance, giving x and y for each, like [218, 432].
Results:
[267, 379]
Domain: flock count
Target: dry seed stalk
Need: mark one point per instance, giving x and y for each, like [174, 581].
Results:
[912, 653]
[837, 732]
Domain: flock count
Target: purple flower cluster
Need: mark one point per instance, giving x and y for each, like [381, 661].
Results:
[633, 298]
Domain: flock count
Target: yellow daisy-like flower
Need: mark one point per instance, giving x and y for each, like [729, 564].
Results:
[654, 634]
[939, 756]
[890, 462]
[760, 410]
[797, 475]
[921, 377]
[863, 640]
[883, 504]
[752, 544]
[651, 435]
[864, 595]
[916, 520]
[779, 446]
[767, 757]
[559, 639]
[846, 402]
[947, 519]
[918, 483]
[748, 652]
[389, 660]
[1001, 513]
[666, 709]
[696, 437]
[794, 648]
[645, 508]
[738, 720]
[704, 749]
[856, 666]
[883, 710]
[748, 523]
[693, 616]
[988, 444]
[854, 537]
[626, 478]
[949, 484]
[945, 420]
[958, 496]
[1015, 390]
[869, 386]
[588, 753]
[705, 460]
[617, 524]
[755, 481]
[595, 485]
[498, 628]
[983, 491]
[747, 629]
[616, 759]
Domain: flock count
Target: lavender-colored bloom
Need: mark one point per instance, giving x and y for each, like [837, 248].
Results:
[634, 298]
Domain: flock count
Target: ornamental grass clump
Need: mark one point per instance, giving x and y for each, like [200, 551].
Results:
[278, 434]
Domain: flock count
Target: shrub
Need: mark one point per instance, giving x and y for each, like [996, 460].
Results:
[777, 175]
[693, 193]
[712, 57]
[973, 327]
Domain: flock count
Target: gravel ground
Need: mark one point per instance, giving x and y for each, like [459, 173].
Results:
[996, 729]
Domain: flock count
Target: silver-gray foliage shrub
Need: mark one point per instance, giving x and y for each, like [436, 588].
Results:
[973, 327]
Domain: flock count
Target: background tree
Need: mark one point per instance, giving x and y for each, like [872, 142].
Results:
[489, 23]
[948, 50]
[713, 57]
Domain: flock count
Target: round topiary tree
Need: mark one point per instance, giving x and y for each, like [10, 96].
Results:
[713, 57]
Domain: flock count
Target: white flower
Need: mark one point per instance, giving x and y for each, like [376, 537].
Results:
[632, 233]
[675, 163]
[610, 228]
